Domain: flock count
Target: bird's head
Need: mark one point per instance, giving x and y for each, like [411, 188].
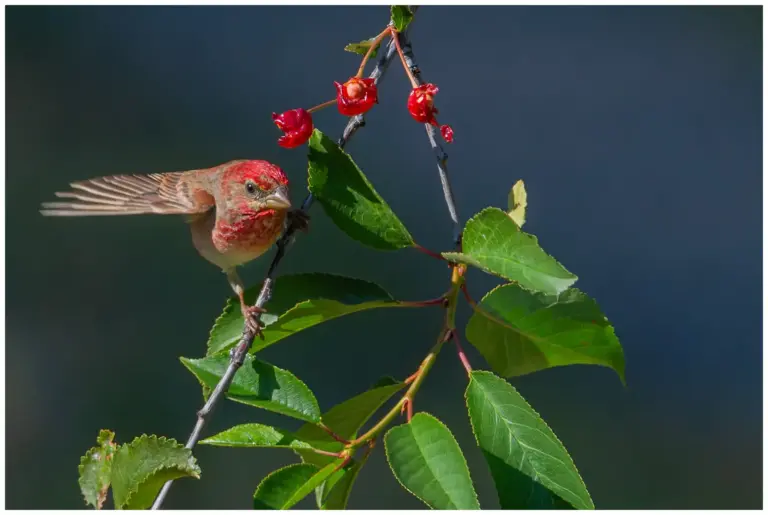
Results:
[253, 187]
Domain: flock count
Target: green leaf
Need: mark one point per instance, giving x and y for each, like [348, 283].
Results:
[285, 487]
[338, 487]
[96, 469]
[362, 47]
[401, 17]
[299, 301]
[259, 384]
[519, 332]
[349, 199]
[494, 243]
[142, 467]
[529, 465]
[255, 435]
[517, 202]
[345, 420]
[427, 461]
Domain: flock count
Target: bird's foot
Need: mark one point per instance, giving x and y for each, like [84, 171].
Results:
[299, 219]
[251, 316]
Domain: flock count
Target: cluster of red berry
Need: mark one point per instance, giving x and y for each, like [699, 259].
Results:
[357, 96]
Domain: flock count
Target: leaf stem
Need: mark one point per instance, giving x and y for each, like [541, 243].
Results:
[373, 46]
[460, 352]
[423, 303]
[428, 252]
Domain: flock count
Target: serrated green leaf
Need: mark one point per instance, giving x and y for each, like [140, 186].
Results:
[529, 465]
[95, 469]
[517, 202]
[349, 199]
[142, 467]
[494, 243]
[300, 301]
[401, 17]
[338, 487]
[285, 487]
[427, 461]
[255, 435]
[519, 332]
[362, 47]
[345, 420]
[259, 384]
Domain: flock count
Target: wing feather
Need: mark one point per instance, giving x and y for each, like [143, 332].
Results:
[158, 193]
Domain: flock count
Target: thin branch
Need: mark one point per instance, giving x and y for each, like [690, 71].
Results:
[237, 356]
[440, 155]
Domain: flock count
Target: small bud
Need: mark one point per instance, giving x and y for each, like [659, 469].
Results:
[356, 96]
[447, 133]
[297, 126]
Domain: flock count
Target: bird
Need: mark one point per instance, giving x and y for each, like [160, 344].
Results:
[236, 211]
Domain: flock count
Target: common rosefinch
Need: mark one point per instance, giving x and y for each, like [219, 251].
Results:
[236, 210]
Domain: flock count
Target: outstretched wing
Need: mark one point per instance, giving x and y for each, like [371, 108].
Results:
[158, 193]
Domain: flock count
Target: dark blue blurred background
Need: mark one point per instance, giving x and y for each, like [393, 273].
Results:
[637, 131]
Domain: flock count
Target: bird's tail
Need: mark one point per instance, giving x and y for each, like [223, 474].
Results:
[159, 193]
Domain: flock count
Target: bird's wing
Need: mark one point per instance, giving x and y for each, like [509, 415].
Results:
[159, 193]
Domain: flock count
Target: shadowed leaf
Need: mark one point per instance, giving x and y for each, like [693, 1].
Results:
[519, 332]
[259, 384]
[285, 487]
[349, 199]
[299, 301]
[142, 467]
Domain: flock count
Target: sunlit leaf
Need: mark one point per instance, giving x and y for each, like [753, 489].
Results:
[529, 465]
[427, 461]
[493, 242]
[96, 469]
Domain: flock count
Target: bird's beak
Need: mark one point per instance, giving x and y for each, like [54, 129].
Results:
[278, 199]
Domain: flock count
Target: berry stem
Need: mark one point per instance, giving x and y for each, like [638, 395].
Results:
[373, 46]
[321, 106]
[396, 39]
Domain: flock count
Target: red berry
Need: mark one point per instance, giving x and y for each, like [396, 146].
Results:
[297, 126]
[356, 96]
[421, 103]
[447, 133]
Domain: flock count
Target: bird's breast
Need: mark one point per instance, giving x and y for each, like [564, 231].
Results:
[229, 243]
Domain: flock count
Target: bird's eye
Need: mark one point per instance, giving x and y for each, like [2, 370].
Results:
[250, 187]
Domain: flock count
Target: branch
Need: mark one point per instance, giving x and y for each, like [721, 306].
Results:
[440, 155]
[239, 352]
[448, 329]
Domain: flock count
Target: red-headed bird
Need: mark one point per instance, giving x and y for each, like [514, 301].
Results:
[236, 210]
